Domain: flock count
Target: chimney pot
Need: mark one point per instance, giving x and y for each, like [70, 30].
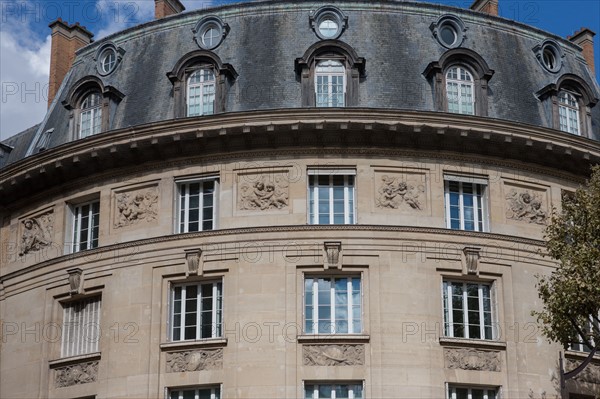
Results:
[584, 38]
[164, 8]
[66, 40]
[485, 6]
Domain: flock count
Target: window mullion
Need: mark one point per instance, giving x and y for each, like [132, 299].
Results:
[346, 201]
[450, 308]
[461, 206]
[465, 310]
[331, 190]
[349, 305]
[332, 328]
[183, 313]
[447, 200]
[315, 309]
[201, 207]
[199, 310]
[481, 312]
[476, 206]
[214, 311]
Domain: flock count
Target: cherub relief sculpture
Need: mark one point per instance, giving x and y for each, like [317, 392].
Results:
[133, 207]
[525, 206]
[393, 193]
[265, 193]
[37, 233]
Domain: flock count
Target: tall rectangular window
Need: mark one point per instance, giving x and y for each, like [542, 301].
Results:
[201, 92]
[467, 310]
[331, 198]
[471, 393]
[86, 226]
[333, 391]
[195, 393]
[197, 210]
[81, 327]
[330, 83]
[196, 311]
[332, 305]
[466, 207]
[581, 346]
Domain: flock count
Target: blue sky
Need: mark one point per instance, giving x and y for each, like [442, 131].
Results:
[25, 40]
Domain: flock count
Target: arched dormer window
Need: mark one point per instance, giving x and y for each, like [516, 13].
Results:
[460, 81]
[460, 90]
[570, 101]
[330, 73]
[200, 96]
[201, 82]
[90, 115]
[568, 113]
[330, 83]
[91, 104]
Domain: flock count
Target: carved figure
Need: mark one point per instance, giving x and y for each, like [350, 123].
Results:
[591, 373]
[134, 207]
[472, 359]
[37, 233]
[207, 359]
[76, 374]
[525, 206]
[333, 355]
[393, 193]
[265, 194]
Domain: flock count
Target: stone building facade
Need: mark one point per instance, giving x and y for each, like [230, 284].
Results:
[294, 199]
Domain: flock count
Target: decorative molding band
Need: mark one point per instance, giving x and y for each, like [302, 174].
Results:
[204, 343]
[253, 231]
[333, 338]
[472, 343]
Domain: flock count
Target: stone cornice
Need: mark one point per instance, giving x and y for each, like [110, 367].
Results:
[368, 132]
[255, 231]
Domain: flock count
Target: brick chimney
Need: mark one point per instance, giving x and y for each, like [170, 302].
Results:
[164, 8]
[584, 38]
[66, 40]
[486, 6]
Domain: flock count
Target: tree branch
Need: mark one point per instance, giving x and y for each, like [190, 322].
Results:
[581, 333]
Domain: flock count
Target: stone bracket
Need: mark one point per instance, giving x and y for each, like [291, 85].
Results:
[195, 266]
[472, 255]
[333, 251]
[75, 281]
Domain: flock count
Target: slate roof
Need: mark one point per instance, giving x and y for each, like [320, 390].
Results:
[267, 36]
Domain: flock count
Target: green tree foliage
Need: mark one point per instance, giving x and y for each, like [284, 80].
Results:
[571, 294]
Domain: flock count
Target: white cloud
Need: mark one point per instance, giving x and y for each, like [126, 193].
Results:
[122, 14]
[24, 72]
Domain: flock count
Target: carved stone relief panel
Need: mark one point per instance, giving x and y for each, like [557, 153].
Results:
[76, 374]
[195, 360]
[136, 206]
[472, 359]
[333, 355]
[402, 192]
[36, 233]
[526, 204]
[591, 373]
[263, 192]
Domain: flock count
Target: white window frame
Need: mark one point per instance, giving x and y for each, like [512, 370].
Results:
[461, 83]
[448, 310]
[349, 195]
[81, 326]
[569, 113]
[580, 346]
[203, 85]
[349, 305]
[215, 392]
[478, 206]
[184, 184]
[92, 113]
[351, 393]
[76, 228]
[216, 311]
[451, 391]
[323, 68]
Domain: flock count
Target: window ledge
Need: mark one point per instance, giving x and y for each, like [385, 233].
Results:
[209, 342]
[65, 361]
[473, 343]
[571, 354]
[345, 338]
